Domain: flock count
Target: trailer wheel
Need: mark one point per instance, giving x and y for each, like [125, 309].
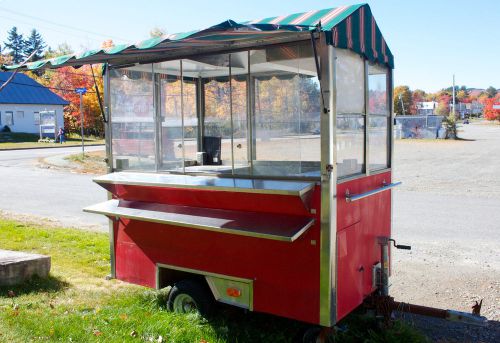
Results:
[189, 296]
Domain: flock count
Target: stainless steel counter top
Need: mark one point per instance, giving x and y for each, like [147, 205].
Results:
[296, 188]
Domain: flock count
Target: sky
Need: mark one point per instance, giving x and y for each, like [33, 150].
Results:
[430, 40]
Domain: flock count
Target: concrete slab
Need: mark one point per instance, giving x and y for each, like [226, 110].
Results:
[17, 267]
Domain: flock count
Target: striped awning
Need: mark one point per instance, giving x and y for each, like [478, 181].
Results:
[349, 27]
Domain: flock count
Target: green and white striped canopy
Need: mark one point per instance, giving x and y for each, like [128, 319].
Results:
[348, 27]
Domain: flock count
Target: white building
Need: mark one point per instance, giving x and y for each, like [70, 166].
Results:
[22, 100]
[426, 108]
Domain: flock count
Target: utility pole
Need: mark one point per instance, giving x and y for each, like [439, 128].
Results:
[81, 91]
[453, 104]
[402, 103]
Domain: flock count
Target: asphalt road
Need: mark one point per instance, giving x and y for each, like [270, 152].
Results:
[30, 190]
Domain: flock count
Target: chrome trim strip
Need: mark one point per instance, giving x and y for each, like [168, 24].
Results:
[367, 119]
[109, 155]
[111, 208]
[157, 118]
[328, 245]
[307, 186]
[204, 273]
[352, 198]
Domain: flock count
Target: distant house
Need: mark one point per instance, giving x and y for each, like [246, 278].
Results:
[22, 100]
[464, 109]
[426, 108]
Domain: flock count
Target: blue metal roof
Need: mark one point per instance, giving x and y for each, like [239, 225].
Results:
[25, 90]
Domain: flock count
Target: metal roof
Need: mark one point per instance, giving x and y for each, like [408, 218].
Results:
[25, 90]
[350, 27]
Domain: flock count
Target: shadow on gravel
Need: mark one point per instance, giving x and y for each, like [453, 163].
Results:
[441, 330]
[35, 285]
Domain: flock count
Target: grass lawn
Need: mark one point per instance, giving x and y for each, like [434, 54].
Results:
[77, 304]
[19, 140]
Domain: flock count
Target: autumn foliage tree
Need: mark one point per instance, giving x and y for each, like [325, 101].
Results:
[402, 100]
[490, 110]
[64, 81]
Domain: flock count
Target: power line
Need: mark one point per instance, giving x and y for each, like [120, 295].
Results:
[52, 29]
[42, 86]
[62, 25]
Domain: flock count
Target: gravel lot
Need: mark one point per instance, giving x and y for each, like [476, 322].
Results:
[448, 209]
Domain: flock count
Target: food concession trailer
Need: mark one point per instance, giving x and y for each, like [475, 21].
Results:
[250, 163]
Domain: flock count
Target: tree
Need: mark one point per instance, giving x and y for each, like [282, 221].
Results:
[61, 50]
[34, 43]
[15, 43]
[418, 95]
[63, 81]
[157, 32]
[462, 96]
[491, 91]
[402, 100]
[491, 113]
[443, 100]
[107, 44]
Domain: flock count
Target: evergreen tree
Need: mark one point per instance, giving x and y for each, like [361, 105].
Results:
[36, 43]
[15, 43]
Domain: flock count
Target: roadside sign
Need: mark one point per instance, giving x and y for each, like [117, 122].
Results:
[81, 90]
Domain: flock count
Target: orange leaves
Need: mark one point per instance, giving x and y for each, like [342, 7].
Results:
[492, 109]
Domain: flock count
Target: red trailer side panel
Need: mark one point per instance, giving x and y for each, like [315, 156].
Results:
[285, 274]
[358, 226]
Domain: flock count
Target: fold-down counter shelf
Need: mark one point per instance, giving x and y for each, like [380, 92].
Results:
[294, 188]
[261, 225]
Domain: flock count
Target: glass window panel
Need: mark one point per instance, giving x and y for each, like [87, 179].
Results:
[350, 144]
[378, 122]
[377, 135]
[350, 113]
[217, 130]
[286, 111]
[190, 115]
[350, 79]
[169, 102]
[132, 111]
[377, 90]
[239, 79]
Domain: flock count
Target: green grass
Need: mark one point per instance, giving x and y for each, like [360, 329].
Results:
[77, 304]
[20, 140]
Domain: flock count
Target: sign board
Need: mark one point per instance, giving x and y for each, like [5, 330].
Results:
[48, 124]
[496, 106]
[81, 90]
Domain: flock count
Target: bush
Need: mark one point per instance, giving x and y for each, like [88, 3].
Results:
[6, 129]
[450, 124]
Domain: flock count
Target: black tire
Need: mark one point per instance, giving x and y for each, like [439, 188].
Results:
[200, 301]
